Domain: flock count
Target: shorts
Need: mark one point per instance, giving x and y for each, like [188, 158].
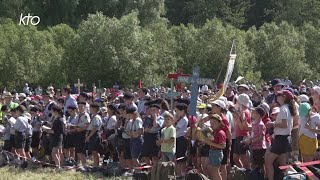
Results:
[226, 152]
[280, 144]
[27, 147]
[94, 143]
[203, 150]
[257, 157]
[135, 147]
[56, 141]
[35, 143]
[240, 148]
[149, 147]
[12, 141]
[181, 147]
[127, 149]
[79, 142]
[167, 156]
[308, 146]
[215, 157]
[20, 140]
[68, 141]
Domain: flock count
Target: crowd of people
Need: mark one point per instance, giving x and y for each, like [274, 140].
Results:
[264, 127]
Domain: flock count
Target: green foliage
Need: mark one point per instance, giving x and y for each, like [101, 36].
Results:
[133, 42]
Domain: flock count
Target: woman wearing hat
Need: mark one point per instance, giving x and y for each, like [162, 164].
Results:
[282, 130]
[242, 119]
[219, 108]
[217, 143]
[309, 123]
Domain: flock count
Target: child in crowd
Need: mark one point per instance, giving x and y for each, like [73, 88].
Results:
[257, 140]
[168, 139]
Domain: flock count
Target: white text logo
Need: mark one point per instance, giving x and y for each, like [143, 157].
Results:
[26, 20]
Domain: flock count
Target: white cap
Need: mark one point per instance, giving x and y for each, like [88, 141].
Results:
[303, 98]
[244, 100]
[23, 95]
[220, 103]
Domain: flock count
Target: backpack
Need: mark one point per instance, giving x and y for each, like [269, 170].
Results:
[113, 169]
[163, 171]
[4, 159]
[195, 175]
[236, 173]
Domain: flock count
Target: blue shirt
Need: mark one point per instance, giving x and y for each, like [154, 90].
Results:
[70, 101]
[148, 123]
[182, 126]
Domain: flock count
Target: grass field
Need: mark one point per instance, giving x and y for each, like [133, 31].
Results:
[13, 173]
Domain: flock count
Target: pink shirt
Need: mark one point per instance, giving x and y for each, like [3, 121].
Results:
[247, 118]
[258, 129]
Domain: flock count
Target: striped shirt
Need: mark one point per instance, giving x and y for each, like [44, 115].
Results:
[258, 129]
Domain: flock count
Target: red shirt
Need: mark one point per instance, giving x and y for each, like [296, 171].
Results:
[247, 118]
[225, 121]
[219, 138]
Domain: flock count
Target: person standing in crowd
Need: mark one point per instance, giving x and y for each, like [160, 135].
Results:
[257, 139]
[309, 123]
[181, 126]
[20, 128]
[243, 126]
[315, 93]
[38, 91]
[142, 94]
[280, 145]
[26, 89]
[128, 100]
[69, 140]
[8, 101]
[57, 131]
[126, 138]
[82, 125]
[191, 136]
[152, 125]
[69, 100]
[168, 139]
[83, 97]
[203, 149]
[92, 137]
[36, 130]
[219, 107]
[217, 142]
[48, 102]
[277, 85]
[109, 127]
[135, 133]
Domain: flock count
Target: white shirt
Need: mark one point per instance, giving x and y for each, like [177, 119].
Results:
[314, 121]
[284, 114]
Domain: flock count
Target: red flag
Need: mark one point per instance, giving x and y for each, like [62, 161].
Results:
[140, 84]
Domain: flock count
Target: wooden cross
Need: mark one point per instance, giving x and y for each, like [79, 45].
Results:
[78, 85]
